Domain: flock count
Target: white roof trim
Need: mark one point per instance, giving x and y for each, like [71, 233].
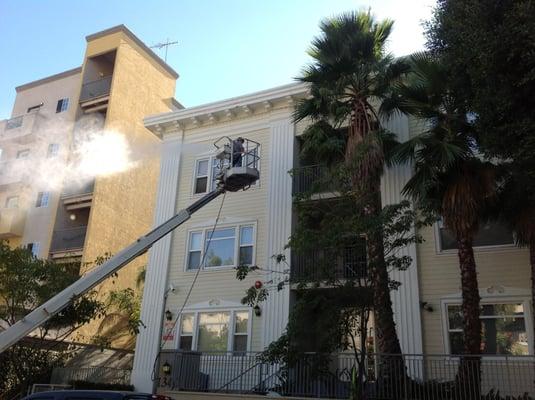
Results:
[264, 96]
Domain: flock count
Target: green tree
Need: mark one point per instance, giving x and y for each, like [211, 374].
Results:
[350, 74]
[26, 281]
[450, 180]
[489, 49]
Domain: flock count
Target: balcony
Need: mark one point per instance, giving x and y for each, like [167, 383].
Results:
[21, 128]
[11, 223]
[68, 240]
[330, 264]
[94, 95]
[78, 195]
[313, 179]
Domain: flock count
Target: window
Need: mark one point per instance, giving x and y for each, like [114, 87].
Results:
[12, 202]
[489, 234]
[14, 123]
[42, 199]
[34, 248]
[215, 331]
[53, 149]
[201, 176]
[23, 153]
[221, 248]
[62, 105]
[503, 329]
[186, 332]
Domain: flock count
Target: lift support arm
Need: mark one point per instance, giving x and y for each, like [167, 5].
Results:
[57, 303]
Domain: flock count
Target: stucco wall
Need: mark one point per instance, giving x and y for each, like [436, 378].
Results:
[122, 208]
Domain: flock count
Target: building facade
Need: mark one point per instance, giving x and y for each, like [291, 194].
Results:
[62, 205]
[254, 226]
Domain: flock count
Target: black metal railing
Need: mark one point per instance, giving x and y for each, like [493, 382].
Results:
[78, 189]
[68, 239]
[388, 377]
[106, 375]
[312, 179]
[92, 90]
[322, 264]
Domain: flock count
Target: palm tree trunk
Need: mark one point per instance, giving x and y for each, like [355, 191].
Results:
[469, 375]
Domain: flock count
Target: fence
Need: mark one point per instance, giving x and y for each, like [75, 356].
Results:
[95, 89]
[91, 374]
[349, 262]
[428, 377]
[68, 239]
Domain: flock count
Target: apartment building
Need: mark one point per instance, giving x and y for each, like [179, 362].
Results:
[55, 207]
[255, 225]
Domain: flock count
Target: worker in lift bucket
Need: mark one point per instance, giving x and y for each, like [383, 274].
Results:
[237, 152]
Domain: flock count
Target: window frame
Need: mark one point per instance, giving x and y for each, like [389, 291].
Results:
[8, 198]
[440, 251]
[62, 105]
[55, 152]
[237, 238]
[211, 159]
[525, 301]
[44, 195]
[34, 246]
[232, 311]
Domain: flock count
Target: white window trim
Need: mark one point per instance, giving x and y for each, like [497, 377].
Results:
[479, 249]
[46, 195]
[210, 159]
[232, 326]
[525, 300]
[237, 246]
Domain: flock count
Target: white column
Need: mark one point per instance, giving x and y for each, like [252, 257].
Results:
[152, 307]
[276, 307]
[406, 299]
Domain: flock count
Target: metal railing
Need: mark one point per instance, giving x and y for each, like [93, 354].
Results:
[345, 263]
[106, 375]
[92, 90]
[77, 189]
[428, 377]
[68, 239]
[313, 179]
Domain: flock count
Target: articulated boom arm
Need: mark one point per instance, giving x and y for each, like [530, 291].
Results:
[57, 303]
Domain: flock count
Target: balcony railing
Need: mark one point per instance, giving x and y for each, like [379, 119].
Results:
[78, 189]
[324, 264]
[95, 89]
[388, 377]
[312, 178]
[68, 239]
[21, 127]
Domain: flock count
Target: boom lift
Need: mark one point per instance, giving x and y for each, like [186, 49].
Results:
[237, 169]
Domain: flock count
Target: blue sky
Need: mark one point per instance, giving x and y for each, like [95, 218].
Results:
[226, 48]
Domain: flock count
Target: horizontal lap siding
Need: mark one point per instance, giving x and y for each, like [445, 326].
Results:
[248, 205]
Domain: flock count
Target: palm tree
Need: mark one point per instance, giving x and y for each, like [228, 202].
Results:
[349, 75]
[450, 180]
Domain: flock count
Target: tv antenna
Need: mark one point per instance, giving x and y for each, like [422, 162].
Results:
[165, 45]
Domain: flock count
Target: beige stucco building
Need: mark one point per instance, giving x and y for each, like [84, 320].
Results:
[259, 221]
[51, 199]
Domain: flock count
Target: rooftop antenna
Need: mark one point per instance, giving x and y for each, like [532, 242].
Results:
[165, 44]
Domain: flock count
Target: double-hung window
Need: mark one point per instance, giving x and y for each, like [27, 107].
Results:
[217, 331]
[206, 172]
[222, 247]
[503, 328]
[63, 105]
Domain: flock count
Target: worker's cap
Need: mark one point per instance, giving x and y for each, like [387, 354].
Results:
[240, 139]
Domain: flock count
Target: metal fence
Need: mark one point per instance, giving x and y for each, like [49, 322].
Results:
[76, 189]
[313, 179]
[98, 88]
[428, 377]
[68, 239]
[106, 375]
[346, 263]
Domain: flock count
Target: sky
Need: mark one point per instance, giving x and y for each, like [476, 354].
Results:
[225, 48]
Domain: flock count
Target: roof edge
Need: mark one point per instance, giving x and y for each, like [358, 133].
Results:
[122, 28]
[47, 79]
